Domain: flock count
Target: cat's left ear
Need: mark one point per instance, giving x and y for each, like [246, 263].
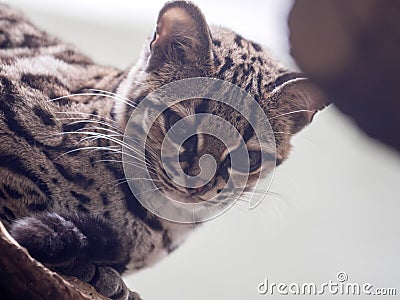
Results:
[182, 38]
[301, 99]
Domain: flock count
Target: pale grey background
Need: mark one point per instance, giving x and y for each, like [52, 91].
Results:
[339, 205]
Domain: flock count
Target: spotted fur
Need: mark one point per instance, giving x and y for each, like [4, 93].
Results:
[62, 118]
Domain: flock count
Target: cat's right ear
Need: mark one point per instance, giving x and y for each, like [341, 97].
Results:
[182, 40]
[299, 100]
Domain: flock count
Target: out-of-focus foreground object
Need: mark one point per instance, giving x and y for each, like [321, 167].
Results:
[351, 48]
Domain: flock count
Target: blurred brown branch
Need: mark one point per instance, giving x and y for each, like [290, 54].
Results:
[351, 48]
[22, 277]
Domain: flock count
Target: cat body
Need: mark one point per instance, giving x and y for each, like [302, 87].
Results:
[63, 193]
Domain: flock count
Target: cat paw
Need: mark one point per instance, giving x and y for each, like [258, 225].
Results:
[109, 283]
[106, 280]
[49, 238]
[134, 296]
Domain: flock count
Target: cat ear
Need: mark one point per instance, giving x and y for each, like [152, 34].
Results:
[182, 38]
[301, 99]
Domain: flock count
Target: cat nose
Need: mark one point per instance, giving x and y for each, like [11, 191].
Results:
[201, 189]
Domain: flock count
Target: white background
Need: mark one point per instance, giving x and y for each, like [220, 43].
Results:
[339, 203]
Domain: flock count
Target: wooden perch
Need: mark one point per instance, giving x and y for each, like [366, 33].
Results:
[22, 277]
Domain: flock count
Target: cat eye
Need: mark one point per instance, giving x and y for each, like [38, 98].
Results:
[190, 149]
[254, 161]
[179, 130]
[223, 170]
[171, 118]
[227, 161]
[190, 145]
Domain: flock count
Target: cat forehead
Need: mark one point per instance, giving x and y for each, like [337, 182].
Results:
[228, 43]
[244, 63]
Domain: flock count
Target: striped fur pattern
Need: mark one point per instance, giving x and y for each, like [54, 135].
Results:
[63, 194]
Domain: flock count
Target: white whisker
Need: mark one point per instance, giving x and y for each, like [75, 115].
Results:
[113, 94]
[85, 114]
[89, 121]
[149, 169]
[129, 102]
[291, 112]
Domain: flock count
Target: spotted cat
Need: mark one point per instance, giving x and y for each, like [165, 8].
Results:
[63, 192]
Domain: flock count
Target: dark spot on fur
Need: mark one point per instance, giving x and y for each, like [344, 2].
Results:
[74, 126]
[32, 41]
[13, 193]
[8, 212]
[40, 81]
[72, 57]
[152, 247]
[238, 40]
[73, 153]
[84, 181]
[44, 116]
[234, 77]
[249, 85]
[106, 214]
[8, 105]
[257, 98]
[37, 206]
[14, 164]
[216, 42]
[77, 178]
[249, 71]
[7, 87]
[104, 199]
[33, 193]
[227, 65]
[61, 169]
[217, 62]
[259, 80]
[82, 209]
[6, 42]
[92, 162]
[256, 47]
[80, 197]
[63, 101]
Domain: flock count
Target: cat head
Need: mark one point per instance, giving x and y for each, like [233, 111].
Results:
[185, 46]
